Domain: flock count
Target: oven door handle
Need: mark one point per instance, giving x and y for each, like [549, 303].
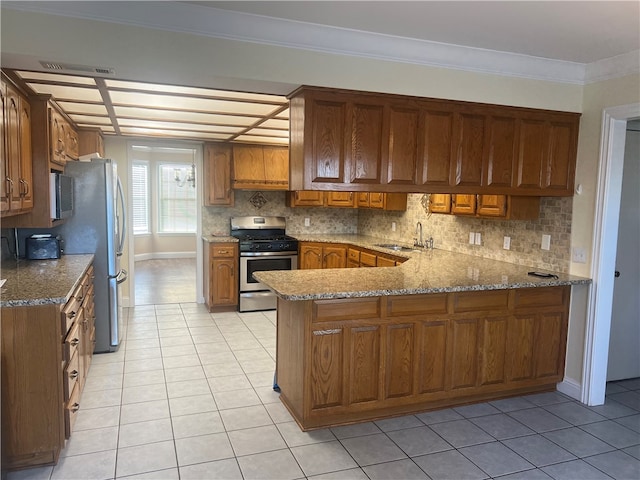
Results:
[268, 254]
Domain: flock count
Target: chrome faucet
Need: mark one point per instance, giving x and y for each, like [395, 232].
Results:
[419, 241]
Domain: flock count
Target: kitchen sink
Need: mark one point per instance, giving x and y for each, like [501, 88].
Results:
[394, 246]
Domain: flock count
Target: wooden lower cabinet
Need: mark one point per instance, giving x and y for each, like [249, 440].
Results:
[349, 360]
[319, 255]
[221, 270]
[46, 353]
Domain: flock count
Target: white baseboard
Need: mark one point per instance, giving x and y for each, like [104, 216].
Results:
[570, 387]
[163, 255]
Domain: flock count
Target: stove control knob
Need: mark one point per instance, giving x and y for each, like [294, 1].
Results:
[269, 246]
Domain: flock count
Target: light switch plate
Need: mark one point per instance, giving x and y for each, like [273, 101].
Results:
[478, 238]
[578, 255]
[472, 238]
[307, 222]
[393, 226]
[506, 243]
[546, 242]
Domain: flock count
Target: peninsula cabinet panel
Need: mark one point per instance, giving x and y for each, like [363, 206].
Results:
[432, 357]
[364, 364]
[217, 175]
[327, 371]
[399, 366]
[366, 359]
[366, 143]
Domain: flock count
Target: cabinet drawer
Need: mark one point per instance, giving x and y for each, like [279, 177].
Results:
[72, 340]
[228, 251]
[417, 304]
[69, 314]
[540, 297]
[72, 407]
[353, 255]
[485, 300]
[71, 372]
[367, 260]
[385, 262]
[345, 309]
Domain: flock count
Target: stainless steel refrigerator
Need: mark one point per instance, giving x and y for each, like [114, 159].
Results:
[98, 226]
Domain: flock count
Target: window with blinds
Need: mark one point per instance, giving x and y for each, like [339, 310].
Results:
[141, 198]
[176, 199]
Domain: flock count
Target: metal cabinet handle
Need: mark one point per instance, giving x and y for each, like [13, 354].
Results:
[73, 374]
[617, 274]
[10, 186]
[75, 407]
[26, 187]
[74, 342]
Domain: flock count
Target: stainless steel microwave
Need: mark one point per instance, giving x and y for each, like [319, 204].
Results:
[61, 191]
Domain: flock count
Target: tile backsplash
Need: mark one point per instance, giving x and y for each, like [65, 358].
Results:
[451, 232]
[215, 220]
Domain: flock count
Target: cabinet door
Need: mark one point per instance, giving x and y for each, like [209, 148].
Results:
[217, 175]
[13, 148]
[327, 142]
[550, 339]
[310, 256]
[362, 199]
[26, 158]
[402, 168]
[463, 204]
[307, 198]
[432, 356]
[225, 281]
[57, 124]
[377, 200]
[4, 163]
[248, 166]
[440, 203]
[364, 364]
[71, 143]
[493, 348]
[491, 205]
[399, 360]
[501, 152]
[365, 154]
[520, 347]
[531, 153]
[327, 371]
[437, 147]
[470, 141]
[276, 166]
[385, 262]
[334, 257]
[341, 199]
[559, 174]
[464, 352]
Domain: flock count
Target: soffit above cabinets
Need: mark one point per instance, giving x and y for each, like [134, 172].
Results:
[153, 110]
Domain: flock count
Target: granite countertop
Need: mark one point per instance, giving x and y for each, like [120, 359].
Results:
[425, 271]
[219, 239]
[41, 282]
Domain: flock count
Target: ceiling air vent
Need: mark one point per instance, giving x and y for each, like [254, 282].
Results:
[67, 67]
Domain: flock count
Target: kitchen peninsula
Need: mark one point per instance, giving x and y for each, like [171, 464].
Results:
[441, 329]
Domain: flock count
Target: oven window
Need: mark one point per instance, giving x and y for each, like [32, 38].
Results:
[265, 264]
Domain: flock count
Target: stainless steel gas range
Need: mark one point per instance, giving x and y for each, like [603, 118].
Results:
[263, 246]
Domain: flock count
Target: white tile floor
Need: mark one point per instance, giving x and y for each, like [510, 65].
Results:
[189, 396]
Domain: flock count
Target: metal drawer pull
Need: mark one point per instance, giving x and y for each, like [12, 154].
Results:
[75, 407]
[74, 342]
[73, 374]
[72, 314]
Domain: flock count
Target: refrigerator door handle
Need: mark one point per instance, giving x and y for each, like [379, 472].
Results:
[121, 276]
[123, 234]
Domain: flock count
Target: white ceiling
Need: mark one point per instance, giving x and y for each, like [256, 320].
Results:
[552, 40]
[574, 31]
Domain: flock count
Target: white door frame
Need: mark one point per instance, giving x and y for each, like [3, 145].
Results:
[605, 238]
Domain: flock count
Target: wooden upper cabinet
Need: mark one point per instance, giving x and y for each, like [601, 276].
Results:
[469, 137]
[491, 205]
[217, 175]
[402, 162]
[340, 199]
[305, 198]
[25, 181]
[4, 166]
[436, 137]
[57, 125]
[365, 153]
[462, 204]
[13, 145]
[90, 140]
[407, 144]
[257, 167]
[440, 203]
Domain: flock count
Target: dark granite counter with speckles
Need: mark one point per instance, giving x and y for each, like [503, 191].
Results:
[425, 271]
[41, 282]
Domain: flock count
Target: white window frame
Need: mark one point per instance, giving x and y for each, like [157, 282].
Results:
[159, 199]
[147, 197]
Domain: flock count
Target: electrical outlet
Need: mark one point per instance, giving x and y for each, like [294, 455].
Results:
[307, 222]
[578, 255]
[505, 279]
[472, 238]
[393, 226]
[478, 238]
[546, 242]
[506, 243]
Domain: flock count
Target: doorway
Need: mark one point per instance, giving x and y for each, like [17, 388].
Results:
[165, 199]
[608, 198]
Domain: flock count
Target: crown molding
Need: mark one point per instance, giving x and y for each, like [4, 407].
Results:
[614, 67]
[218, 23]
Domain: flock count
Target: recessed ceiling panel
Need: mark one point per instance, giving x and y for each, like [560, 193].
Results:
[172, 133]
[126, 122]
[262, 140]
[269, 132]
[59, 92]
[178, 116]
[90, 119]
[188, 103]
[83, 108]
[55, 78]
[283, 114]
[276, 123]
[203, 92]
